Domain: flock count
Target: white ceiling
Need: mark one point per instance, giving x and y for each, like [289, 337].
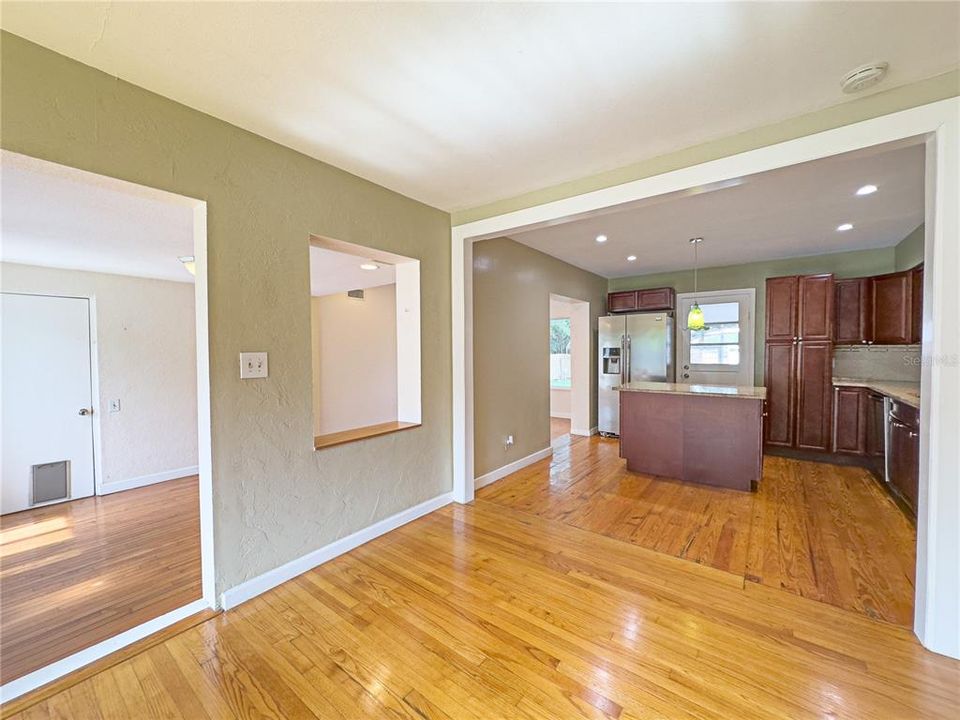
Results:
[59, 217]
[334, 272]
[783, 213]
[459, 104]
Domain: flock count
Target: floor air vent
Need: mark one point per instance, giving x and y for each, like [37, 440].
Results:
[50, 482]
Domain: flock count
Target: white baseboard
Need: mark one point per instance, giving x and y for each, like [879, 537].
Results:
[71, 663]
[562, 416]
[270, 579]
[145, 480]
[586, 433]
[501, 472]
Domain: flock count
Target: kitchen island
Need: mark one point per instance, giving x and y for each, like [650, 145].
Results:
[704, 434]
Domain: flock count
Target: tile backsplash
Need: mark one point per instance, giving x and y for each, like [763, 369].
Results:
[877, 362]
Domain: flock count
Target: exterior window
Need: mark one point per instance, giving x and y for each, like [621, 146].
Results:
[560, 353]
[719, 342]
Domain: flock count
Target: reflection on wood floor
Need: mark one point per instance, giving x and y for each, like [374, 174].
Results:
[482, 611]
[79, 572]
[825, 532]
[558, 428]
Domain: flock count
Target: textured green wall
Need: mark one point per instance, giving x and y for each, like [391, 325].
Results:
[511, 345]
[754, 275]
[909, 252]
[275, 498]
[854, 110]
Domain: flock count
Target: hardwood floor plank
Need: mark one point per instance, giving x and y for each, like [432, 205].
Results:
[77, 573]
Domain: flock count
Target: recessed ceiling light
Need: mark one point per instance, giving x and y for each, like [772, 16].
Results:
[601, 238]
[369, 266]
[867, 190]
[844, 227]
[631, 258]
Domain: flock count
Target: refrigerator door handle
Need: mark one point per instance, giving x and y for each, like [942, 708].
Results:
[629, 359]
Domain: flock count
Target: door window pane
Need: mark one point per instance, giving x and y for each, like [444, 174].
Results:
[719, 342]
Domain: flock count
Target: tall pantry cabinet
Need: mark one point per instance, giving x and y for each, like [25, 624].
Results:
[799, 361]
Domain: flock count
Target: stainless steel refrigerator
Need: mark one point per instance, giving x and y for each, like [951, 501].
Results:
[632, 347]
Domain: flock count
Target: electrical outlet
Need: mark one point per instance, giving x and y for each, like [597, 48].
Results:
[115, 406]
[253, 365]
[508, 441]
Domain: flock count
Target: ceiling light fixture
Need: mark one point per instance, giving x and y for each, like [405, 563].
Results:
[843, 227]
[867, 190]
[369, 266]
[601, 238]
[189, 263]
[695, 319]
[631, 258]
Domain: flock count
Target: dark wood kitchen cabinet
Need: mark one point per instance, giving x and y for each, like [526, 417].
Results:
[648, 300]
[892, 308]
[814, 395]
[850, 420]
[852, 311]
[799, 361]
[904, 452]
[916, 304]
[780, 380]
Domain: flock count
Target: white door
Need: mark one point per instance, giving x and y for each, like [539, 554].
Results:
[47, 399]
[721, 353]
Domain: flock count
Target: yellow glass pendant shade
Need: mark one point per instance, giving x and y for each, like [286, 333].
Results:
[695, 318]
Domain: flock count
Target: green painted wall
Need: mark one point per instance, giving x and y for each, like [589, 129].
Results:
[754, 275]
[275, 498]
[511, 344]
[854, 110]
[909, 252]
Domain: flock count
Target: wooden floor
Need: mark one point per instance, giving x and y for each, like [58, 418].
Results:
[486, 612]
[825, 532]
[559, 427]
[77, 573]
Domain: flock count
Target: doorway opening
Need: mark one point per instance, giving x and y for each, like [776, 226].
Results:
[106, 509]
[570, 368]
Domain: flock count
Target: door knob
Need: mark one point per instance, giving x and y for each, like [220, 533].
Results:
[86, 411]
[686, 367]
[686, 375]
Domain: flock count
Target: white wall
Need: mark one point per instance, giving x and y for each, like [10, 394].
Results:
[560, 402]
[146, 358]
[354, 360]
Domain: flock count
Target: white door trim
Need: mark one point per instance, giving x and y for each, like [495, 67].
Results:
[208, 599]
[937, 607]
[748, 340]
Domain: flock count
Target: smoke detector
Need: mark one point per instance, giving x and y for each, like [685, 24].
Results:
[863, 77]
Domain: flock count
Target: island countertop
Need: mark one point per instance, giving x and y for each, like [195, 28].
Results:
[729, 391]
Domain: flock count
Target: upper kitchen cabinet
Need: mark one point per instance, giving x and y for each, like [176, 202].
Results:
[800, 307]
[852, 311]
[649, 300]
[916, 304]
[815, 307]
[892, 308]
[782, 308]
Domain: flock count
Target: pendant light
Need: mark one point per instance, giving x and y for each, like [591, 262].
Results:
[695, 316]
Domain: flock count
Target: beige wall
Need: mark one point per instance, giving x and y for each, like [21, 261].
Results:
[354, 359]
[274, 497]
[146, 358]
[511, 344]
[754, 275]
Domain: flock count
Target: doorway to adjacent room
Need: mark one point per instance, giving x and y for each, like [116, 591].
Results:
[570, 368]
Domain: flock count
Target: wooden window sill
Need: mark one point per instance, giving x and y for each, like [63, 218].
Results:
[362, 433]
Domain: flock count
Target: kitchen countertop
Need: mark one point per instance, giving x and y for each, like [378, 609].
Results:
[905, 392]
[750, 393]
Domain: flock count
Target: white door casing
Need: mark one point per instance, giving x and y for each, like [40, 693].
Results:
[689, 370]
[46, 383]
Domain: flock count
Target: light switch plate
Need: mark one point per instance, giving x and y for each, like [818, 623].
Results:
[253, 365]
[115, 406]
